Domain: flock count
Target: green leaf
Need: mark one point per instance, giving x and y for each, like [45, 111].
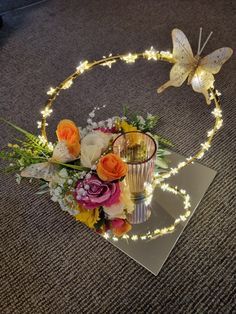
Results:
[162, 163]
[125, 110]
[42, 192]
[80, 168]
[163, 141]
[31, 137]
[101, 221]
[163, 152]
[27, 134]
[43, 186]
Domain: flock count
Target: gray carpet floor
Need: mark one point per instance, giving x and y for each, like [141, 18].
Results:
[51, 264]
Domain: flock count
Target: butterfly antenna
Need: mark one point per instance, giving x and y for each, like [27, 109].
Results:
[199, 41]
[205, 43]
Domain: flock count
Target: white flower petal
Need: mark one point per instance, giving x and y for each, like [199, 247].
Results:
[92, 146]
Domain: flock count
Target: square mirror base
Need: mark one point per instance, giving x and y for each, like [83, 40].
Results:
[165, 208]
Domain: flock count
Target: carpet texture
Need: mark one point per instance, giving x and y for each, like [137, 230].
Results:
[8, 5]
[50, 263]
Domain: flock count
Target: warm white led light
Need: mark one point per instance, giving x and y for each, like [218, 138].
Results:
[151, 54]
[129, 58]
[217, 113]
[42, 139]
[51, 91]
[83, 66]
[67, 84]
[108, 63]
[39, 124]
[46, 112]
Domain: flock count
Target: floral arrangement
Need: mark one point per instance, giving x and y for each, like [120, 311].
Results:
[81, 172]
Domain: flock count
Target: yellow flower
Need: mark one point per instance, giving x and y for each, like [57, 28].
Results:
[133, 138]
[127, 127]
[88, 216]
[126, 197]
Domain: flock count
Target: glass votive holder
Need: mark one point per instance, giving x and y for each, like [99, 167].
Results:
[138, 150]
[142, 210]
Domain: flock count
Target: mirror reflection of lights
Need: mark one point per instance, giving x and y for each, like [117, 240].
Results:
[130, 58]
[150, 235]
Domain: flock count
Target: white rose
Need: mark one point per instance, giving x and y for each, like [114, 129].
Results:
[89, 155]
[115, 211]
[92, 146]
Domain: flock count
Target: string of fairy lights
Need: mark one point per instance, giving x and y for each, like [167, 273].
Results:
[131, 58]
[109, 61]
[158, 232]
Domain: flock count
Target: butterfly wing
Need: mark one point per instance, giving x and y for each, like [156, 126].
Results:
[43, 170]
[178, 75]
[61, 153]
[214, 61]
[202, 80]
[46, 170]
[183, 56]
[182, 51]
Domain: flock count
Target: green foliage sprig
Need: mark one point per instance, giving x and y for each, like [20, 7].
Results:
[147, 124]
[29, 151]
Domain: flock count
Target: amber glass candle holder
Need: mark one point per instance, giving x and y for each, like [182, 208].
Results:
[138, 150]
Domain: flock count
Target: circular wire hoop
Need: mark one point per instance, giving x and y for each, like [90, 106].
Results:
[131, 58]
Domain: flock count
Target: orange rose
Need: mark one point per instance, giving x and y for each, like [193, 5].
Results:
[67, 131]
[120, 227]
[111, 167]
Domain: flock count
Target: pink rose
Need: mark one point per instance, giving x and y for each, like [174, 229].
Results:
[92, 192]
[117, 223]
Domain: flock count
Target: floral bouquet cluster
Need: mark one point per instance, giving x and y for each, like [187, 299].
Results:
[81, 171]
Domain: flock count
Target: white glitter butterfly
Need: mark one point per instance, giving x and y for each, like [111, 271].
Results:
[198, 70]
